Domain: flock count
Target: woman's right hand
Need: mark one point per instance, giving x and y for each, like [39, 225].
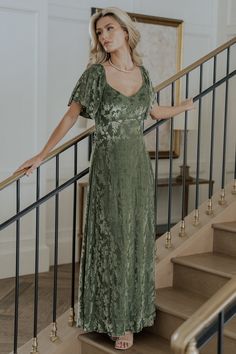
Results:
[30, 165]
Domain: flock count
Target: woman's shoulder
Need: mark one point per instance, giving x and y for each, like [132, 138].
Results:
[94, 67]
[147, 74]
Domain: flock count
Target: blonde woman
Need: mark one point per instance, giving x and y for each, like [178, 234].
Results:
[117, 269]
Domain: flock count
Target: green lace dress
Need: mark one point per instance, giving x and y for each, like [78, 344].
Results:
[117, 269]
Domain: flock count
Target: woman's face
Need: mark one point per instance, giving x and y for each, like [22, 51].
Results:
[110, 34]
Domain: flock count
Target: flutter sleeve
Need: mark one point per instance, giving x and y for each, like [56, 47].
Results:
[88, 91]
[152, 94]
[153, 99]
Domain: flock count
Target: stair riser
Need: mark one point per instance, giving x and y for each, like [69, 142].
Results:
[165, 324]
[224, 242]
[198, 281]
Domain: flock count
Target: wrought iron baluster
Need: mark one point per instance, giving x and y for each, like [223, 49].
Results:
[222, 200]
[156, 171]
[196, 212]
[209, 210]
[234, 184]
[35, 341]
[17, 266]
[71, 320]
[168, 243]
[53, 335]
[220, 338]
[182, 227]
[156, 165]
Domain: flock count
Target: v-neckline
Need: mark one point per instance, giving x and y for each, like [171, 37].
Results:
[105, 78]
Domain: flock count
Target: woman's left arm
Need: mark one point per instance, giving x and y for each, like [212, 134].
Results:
[164, 112]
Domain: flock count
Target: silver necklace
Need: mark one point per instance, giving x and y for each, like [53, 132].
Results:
[114, 66]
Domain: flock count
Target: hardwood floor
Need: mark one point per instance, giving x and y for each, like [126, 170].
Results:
[26, 304]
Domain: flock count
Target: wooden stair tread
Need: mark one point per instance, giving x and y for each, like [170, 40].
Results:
[214, 263]
[144, 342]
[178, 302]
[225, 226]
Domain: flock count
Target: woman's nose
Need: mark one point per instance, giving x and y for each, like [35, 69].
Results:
[104, 37]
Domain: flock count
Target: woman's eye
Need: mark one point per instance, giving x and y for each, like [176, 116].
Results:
[98, 33]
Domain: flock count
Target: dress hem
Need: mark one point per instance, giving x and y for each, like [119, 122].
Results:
[133, 328]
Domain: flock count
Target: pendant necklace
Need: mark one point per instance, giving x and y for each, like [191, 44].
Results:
[114, 66]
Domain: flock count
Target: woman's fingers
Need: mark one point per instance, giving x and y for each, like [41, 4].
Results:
[190, 104]
[33, 167]
[30, 170]
[19, 170]
[30, 164]
[22, 167]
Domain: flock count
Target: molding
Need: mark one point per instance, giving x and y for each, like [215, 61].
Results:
[64, 246]
[26, 5]
[25, 241]
[65, 173]
[68, 12]
[39, 57]
[27, 256]
[66, 3]
[176, 170]
[35, 55]
[199, 30]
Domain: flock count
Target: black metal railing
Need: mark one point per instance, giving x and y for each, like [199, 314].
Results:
[216, 328]
[183, 75]
[207, 323]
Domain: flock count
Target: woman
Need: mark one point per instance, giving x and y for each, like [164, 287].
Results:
[117, 280]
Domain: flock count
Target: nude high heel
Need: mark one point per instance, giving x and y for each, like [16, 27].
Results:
[125, 341]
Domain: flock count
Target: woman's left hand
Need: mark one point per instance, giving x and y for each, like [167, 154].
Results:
[188, 104]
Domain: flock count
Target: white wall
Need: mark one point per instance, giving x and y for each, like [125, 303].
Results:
[44, 49]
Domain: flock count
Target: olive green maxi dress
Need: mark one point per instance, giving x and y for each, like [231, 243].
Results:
[117, 269]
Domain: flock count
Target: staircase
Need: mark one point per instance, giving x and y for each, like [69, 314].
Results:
[195, 258]
[195, 279]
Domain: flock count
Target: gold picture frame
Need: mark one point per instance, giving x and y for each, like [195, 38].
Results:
[161, 48]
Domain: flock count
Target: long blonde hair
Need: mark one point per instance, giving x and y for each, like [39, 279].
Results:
[97, 53]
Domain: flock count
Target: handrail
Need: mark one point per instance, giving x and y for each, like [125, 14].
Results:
[50, 155]
[182, 337]
[89, 131]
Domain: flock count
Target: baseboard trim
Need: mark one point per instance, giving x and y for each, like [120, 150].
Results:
[27, 261]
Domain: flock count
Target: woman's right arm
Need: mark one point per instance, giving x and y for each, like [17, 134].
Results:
[66, 123]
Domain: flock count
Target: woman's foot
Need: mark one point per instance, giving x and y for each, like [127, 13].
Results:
[125, 341]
